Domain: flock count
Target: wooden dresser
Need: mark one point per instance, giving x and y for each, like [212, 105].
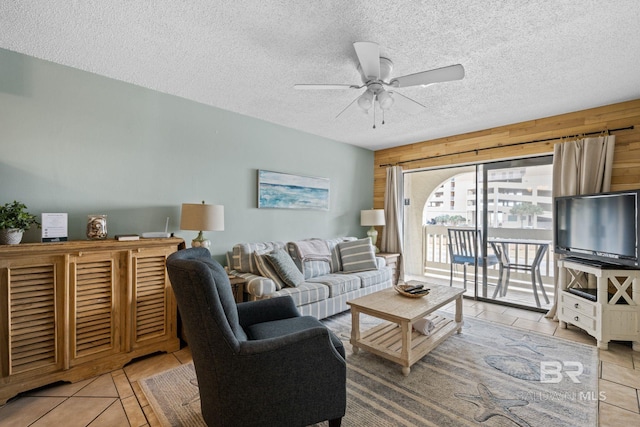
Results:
[73, 310]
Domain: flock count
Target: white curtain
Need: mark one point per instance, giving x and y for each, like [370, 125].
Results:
[392, 233]
[581, 167]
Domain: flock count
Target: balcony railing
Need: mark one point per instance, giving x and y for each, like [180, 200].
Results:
[435, 253]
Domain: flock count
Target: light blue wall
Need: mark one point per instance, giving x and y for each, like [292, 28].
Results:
[72, 141]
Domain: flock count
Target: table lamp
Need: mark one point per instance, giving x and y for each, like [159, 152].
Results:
[372, 217]
[201, 217]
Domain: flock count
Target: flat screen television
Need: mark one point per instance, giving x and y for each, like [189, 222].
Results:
[600, 228]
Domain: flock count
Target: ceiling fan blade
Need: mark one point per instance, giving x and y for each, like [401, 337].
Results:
[347, 107]
[369, 57]
[323, 87]
[444, 74]
[406, 104]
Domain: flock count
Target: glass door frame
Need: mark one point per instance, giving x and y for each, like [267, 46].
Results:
[482, 178]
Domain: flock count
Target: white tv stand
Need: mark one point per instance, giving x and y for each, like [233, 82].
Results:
[615, 315]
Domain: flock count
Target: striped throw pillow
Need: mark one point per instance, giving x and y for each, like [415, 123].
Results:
[357, 255]
[266, 270]
[285, 267]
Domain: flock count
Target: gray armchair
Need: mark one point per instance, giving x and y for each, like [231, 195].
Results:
[257, 363]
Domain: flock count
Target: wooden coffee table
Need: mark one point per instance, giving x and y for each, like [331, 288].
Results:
[397, 341]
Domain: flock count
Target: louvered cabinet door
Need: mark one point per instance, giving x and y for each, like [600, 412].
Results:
[154, 308]
[31, 305]
[95, 315]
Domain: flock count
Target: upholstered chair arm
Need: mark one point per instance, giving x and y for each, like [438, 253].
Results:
[318, 336]
[252, 312]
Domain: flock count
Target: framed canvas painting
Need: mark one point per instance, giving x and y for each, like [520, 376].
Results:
[287, 191]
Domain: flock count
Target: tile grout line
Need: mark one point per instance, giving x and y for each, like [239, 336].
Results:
[137, 400]
[66, 398]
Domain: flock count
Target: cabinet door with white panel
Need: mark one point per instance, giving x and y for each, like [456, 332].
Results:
[604, 301]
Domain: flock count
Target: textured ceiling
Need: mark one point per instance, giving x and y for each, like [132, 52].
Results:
[523, 59]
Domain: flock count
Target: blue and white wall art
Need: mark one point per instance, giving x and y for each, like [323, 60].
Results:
[283, 190]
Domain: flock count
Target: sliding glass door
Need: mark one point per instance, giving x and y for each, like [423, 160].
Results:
[507, 205]
[519, 225]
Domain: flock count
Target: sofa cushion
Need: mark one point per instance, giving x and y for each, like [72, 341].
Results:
[286, 268]
[373, 277]
[338, 284]
[315, 267]
[266, 269]
[357, 255]
[306, 293]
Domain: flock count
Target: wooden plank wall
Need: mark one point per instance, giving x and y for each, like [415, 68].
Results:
[492, 144]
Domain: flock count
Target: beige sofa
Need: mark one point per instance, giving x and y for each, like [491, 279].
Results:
[329, 272]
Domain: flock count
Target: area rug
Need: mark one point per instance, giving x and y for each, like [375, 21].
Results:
[489, 375]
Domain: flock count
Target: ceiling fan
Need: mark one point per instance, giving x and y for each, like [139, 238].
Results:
[375, 72]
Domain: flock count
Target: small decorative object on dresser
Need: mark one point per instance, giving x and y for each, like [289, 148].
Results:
[54, 227]
[127, 237]
[14, 221]
[97, 227]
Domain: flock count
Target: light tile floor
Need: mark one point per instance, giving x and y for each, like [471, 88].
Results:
[115, 399]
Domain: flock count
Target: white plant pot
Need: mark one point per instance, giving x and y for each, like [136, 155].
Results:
[10, 236]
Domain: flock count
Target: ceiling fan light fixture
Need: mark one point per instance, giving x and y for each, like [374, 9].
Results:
[375, 71]
[385, 99]
[365, 101]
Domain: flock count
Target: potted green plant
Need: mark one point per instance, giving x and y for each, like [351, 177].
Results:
[14, 220]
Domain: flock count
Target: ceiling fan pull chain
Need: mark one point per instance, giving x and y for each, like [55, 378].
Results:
[374, 115]
[382, 116]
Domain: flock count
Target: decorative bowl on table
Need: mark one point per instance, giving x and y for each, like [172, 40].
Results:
[403, 289]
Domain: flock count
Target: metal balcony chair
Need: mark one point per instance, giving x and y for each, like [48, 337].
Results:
[507, 265]
[465, 248]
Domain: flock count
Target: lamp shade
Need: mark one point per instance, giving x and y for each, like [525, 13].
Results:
[201, 217]
[371, 217]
